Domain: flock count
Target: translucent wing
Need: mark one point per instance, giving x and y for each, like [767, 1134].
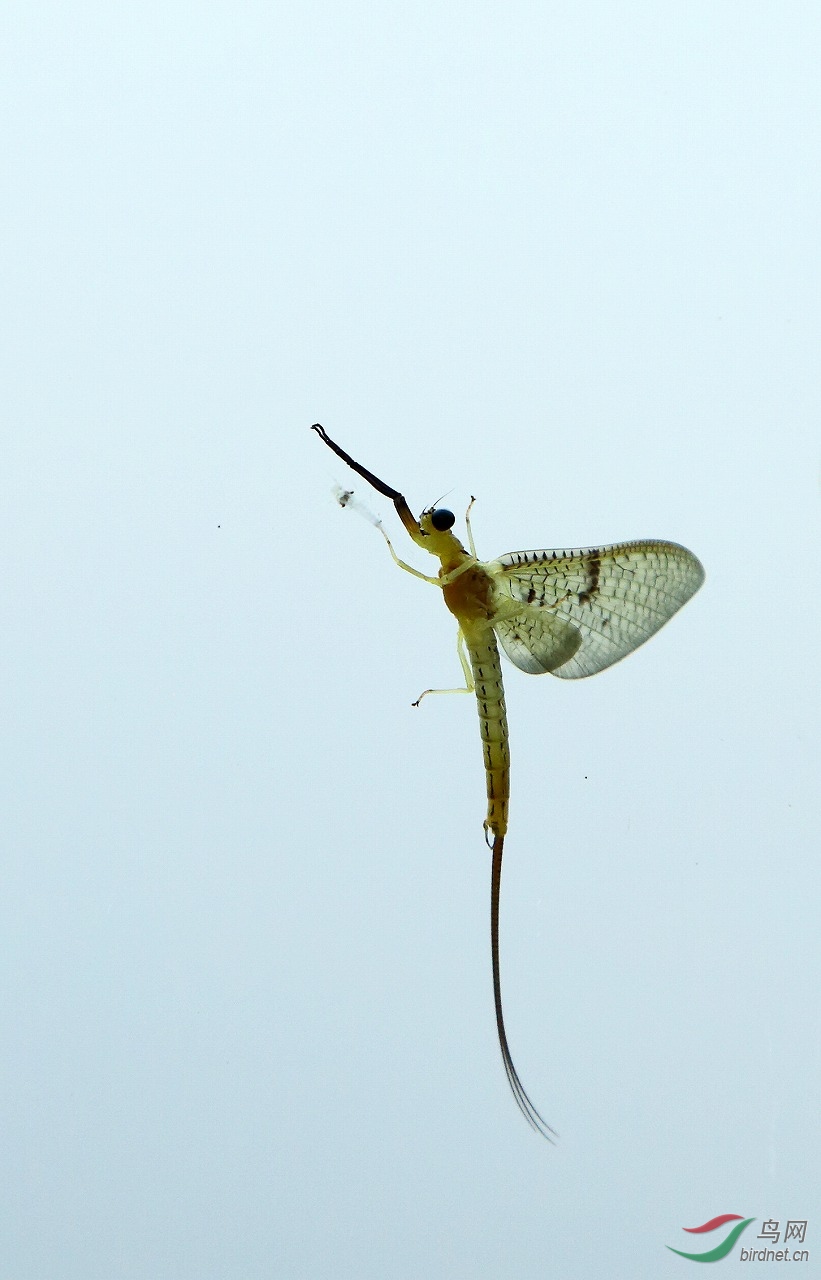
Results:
[573, 613]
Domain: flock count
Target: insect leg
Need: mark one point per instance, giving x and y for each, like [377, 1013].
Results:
[402, 509]
[469, 686]
[471, 543]
[408, 567]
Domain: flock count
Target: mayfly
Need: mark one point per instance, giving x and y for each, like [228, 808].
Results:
[570, 613]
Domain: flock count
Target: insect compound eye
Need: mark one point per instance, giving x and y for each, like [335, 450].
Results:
[442, 519]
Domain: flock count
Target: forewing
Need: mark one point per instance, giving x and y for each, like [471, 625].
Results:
[573, 613]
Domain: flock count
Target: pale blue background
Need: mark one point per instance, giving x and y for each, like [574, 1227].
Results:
[563, 258]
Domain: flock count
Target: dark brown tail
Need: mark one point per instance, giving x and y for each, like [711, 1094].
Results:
[522, 1100]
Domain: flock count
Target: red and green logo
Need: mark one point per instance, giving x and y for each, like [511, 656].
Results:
[721, 1250]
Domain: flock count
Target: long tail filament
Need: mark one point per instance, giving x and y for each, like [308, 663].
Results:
[517, 1088]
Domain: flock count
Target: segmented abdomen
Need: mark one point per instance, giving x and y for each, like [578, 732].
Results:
[487, 674]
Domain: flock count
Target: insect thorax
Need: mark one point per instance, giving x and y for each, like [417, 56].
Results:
[469, 596]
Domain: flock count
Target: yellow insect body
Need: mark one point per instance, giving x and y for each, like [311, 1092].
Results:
[469, 599]
[569, 613]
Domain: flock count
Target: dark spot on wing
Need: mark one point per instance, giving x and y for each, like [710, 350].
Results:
[593, 567]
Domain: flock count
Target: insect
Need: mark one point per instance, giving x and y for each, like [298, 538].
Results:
[570, 613]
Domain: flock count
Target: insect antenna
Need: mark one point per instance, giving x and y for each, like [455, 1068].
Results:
[435, 504]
